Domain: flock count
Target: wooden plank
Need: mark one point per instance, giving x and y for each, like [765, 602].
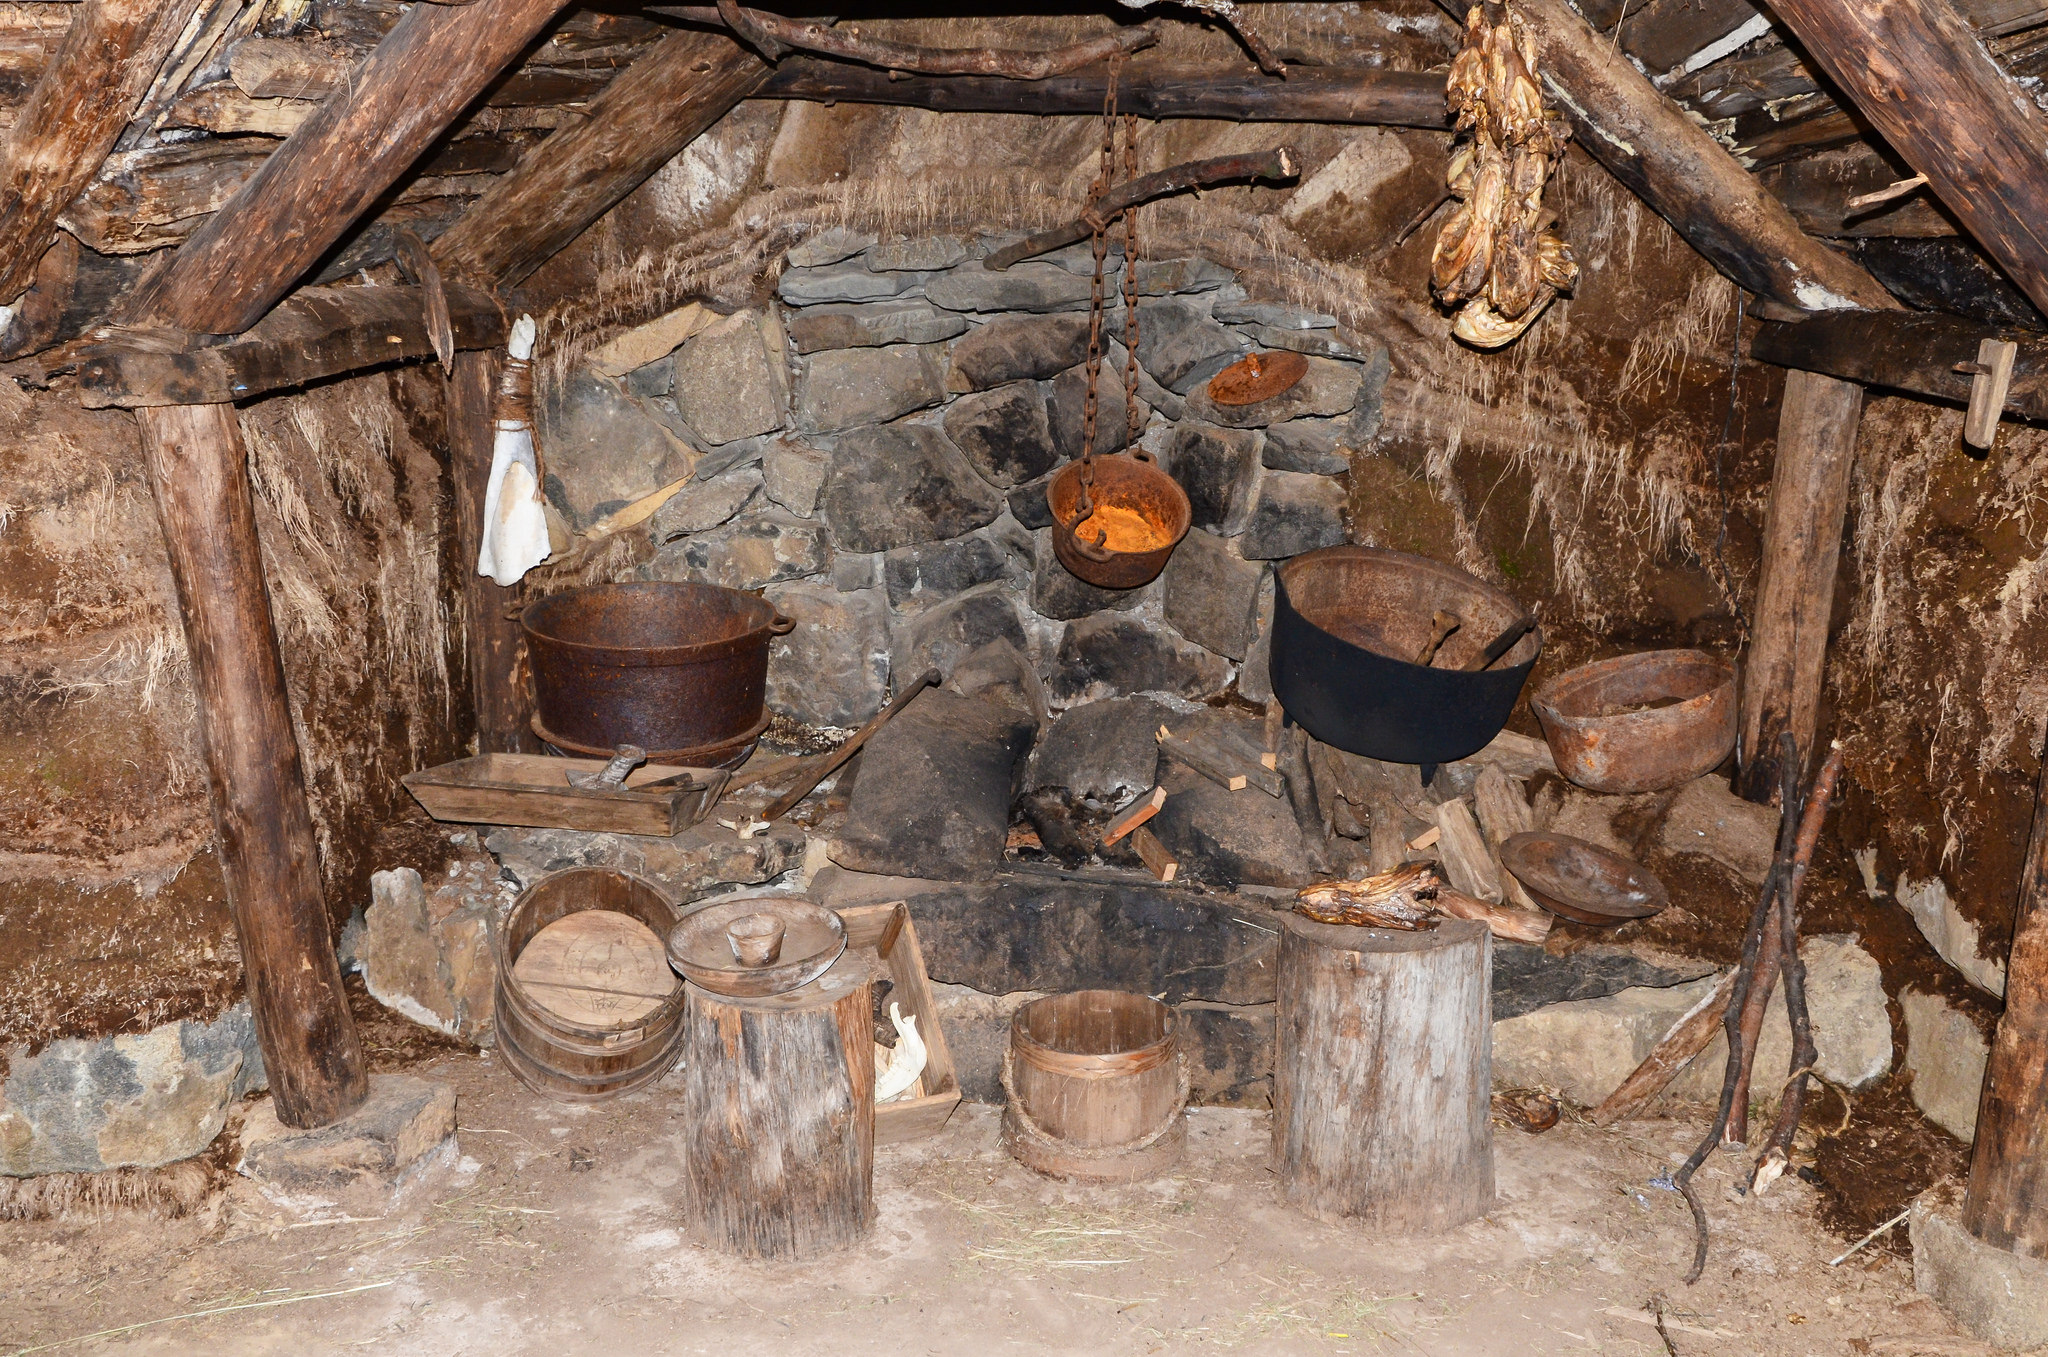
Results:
[1157, 858]
[1220, 761]
[72, 119]
[1667, 34]
[533, 789]
[1987, 390]
[1137, 813]
[1781, 675]
[268, 858]
[597, 967]
[642, 120]
[1907, 352]
[321, 332]
[432, 65]
[494, 643]
[1817, 189]
[1919, 73]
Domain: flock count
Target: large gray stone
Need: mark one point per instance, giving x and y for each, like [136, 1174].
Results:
[932, 797]
[704, 858]
[901, 484]
[1294, 513]
[1180, 346]
[1225, 838]
[1109, 654]
[1320, 446]
[793, 474]
[939, 638]
[1068, 410]
[832, 669]
[428, 949]
[1058, 593]
[1018, 348]
[750, 551]
[998, 672]
[702, 505]
[1219, 470]
[1027, 502]
[926, 253]
[81, 1106]
[1709, 820]
[1004, 432]
[1279, 315]
[403, 1133]
[1106, 751]
[730, 379]
[1584, 1048]
[845, 388]
[1993, 1294]
[859, 325]
[1254, 676]
[850, 281]
[829, 246]
[603, 449]
[1212, 595]
[1163, 277]
[1329, 387]
[1030, 286]
[932, 572]
[1946, 1055]
[1954, 938]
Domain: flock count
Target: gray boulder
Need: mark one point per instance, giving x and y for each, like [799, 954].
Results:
[730, 380]
[1946, 1054]
[793, 474]
[845, 388]
[896, 485]
[851, 281]
[746, 553]
[1030, 286]
[1219, 470]
[926, 253]
[1318, 446]
[1068, 409]
[1181, 346]
[603, 449]
[941, 637]
[1004, 431]
[703, 505]
[932, 572]
[1018, 348]
[857, 325]
[1109, 654]
[1278, 315]
[1106, 751]
[832, 669]
[1212, 595]
[829, 246]
[1294, 513]
[1058, 593]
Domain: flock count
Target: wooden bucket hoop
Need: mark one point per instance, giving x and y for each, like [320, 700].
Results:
[1017, 1119]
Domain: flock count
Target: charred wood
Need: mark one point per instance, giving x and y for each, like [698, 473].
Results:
[1906, 351]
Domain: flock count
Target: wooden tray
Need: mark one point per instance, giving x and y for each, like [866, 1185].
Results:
[886, 931]
[534, 790]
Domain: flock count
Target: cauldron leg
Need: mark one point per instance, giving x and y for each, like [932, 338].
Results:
[1428, 775]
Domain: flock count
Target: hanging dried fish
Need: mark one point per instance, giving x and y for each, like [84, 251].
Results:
[1495, 259]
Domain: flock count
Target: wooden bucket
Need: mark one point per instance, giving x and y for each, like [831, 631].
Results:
[1096, 1085]
[575, 1061]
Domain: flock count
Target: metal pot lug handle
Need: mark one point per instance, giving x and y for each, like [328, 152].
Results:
[781, 626]
[1094, 551]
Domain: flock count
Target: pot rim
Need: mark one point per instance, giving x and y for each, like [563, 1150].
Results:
[1544, 701]
[1439, 569]
[772, 623]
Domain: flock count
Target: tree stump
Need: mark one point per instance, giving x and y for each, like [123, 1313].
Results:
[1382, 1077]
[779, 1116]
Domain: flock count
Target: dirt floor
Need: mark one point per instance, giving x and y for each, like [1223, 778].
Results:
[557, 1233]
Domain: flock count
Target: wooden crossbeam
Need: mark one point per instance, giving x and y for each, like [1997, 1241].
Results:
[1906, 351]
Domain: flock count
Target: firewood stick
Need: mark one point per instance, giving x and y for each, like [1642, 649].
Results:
[1688, 1036]
[772, 34]
[1273, 165]
[822, 766]
[1154, 854]
[1503, 921]
[1137, 813]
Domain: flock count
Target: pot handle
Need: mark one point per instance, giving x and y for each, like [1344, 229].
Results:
[781, 626]
[1093, 551]
[1143, 455]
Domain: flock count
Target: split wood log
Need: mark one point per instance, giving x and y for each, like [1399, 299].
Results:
[1781, 678]
[72, 119]
[2006, 1204]
[1690, 1035]
[1503, 921]
[1272, 166]
[772, 34]
[642, 120]
[779, 1116]
[1918, 353]
[1132, 816]
[1387, 839]
[1157, 857]
[433, 64]
[320, 332]
[1670, 162]
[1503, 813]
[198, 469]
[1315, 94]
[493, 639]
[1468, 862]
[1221, 761]
[1920, 74]
[1382, 1074]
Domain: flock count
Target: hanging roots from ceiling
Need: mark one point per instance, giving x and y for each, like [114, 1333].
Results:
[1495, 259]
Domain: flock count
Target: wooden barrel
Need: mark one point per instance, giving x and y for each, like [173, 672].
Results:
[1096, 1087]
[587, 1057]
[1382, 1073]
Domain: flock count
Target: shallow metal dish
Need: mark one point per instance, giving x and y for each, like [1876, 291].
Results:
[1583, 881]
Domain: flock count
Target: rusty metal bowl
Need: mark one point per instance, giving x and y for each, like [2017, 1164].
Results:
[1347, 624]
[1608, 734]
[1129, 481]
[1583, 881]
[675, 668]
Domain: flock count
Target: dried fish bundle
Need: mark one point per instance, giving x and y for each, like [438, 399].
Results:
[1495, 258]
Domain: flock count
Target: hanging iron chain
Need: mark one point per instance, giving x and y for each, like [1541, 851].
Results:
[1130, 285]
[1099, 241]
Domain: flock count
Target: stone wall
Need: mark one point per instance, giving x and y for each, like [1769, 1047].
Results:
[876, 442]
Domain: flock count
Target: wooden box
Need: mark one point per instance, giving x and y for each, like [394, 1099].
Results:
[886, 931]
[534, 790]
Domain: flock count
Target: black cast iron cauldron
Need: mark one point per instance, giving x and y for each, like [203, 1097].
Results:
[1342, 616]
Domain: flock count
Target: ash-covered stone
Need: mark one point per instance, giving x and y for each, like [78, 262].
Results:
[998, 672]
[1278, 315]
[1181, 346]
[1017, 348]
[845, 388]
[1030, 286]
[1295, 513]
[851, 281]
[1068, 409]
[932, 797]
[703, 858]
[941, 637]
[857, 325]
[829, 246]
[1058, 593]
[1027, 502]
[703, 505]
[1219, 470]
[1329, 387]
[1004, 431]
[932, 572]
[1105, 751]
[746, 553]
[730, 379]
[928, 253]
[793, 474]
[900, 484]
[832, 669]
[1212, 595]
[1112, 653]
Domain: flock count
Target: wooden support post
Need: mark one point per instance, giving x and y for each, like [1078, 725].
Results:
[431, 66]
[2007, 1201]
[495, 643]
[650, 112]
[1919, 72]
[1781, 678]
[71, 119]
[199, 471]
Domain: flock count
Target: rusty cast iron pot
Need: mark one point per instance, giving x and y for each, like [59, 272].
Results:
[1607, 738]
[674, 668]
[1132, 482]
[1347, 624]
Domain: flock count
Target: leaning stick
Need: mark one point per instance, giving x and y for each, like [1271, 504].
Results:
[773, 34]
[1276, 164]
[823, 766]
[1688, 1036]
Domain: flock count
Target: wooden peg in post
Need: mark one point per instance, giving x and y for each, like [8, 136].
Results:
[1990, 380]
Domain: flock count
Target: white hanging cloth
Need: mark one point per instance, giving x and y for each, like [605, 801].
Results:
[515, 536]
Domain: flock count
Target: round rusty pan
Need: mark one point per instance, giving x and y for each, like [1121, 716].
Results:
[1639, 723]
[1258, 377]
[1581, 880]
[1132, 482]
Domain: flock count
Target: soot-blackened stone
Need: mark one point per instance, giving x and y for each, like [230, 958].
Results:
[1004, 432]
[1219, 469]
[1212, 596]
[1112, 653]
[1295, 513]
[1018, 348]
[897, 485]
[1105, 751]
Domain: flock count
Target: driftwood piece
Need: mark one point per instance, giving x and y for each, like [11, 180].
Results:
[1137, 813]
[770, 34]
[1402, 897]
[1316, 94]
[2006, 1204]
[492, 635]
[72, 119]
[1271, 166]
[341, 160]
[1907, 352]
[642, 120]
[779, 1116]
[268, 858]
[1382, 1074]
[1468, 862]
[1690, 1035]
[320, 332]
[1781, 676]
